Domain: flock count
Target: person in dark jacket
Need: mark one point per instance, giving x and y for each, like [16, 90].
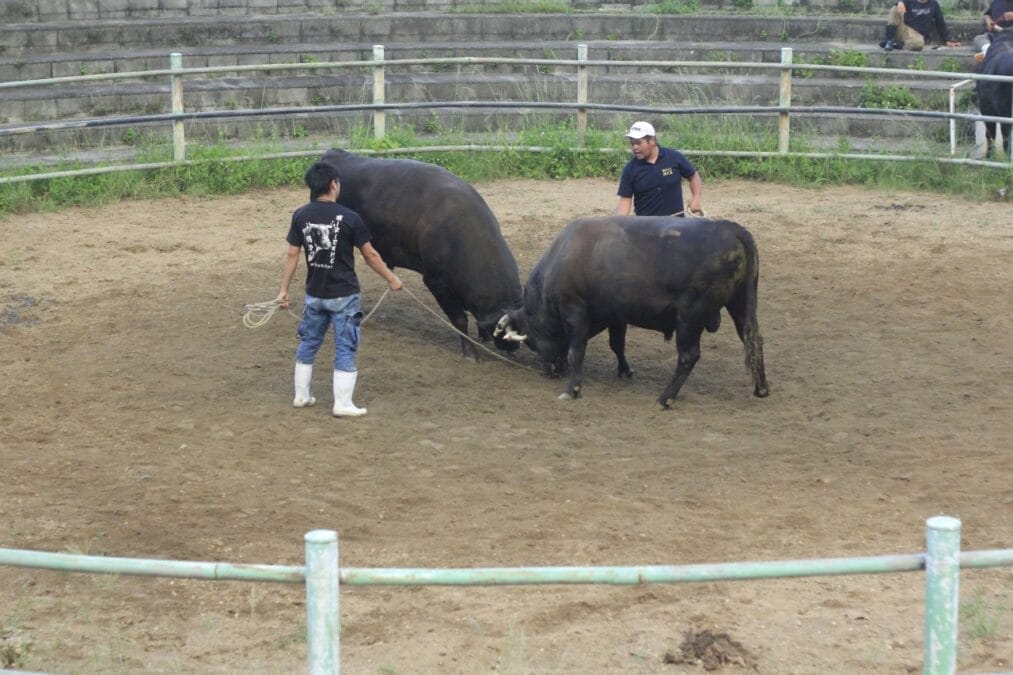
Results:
[998, 18]
[909, 24]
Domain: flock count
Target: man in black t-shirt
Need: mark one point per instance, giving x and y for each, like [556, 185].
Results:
[326, 233]
[651, 183]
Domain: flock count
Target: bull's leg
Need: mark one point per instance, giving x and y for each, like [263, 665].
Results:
[577, 333]
[454, 309]
[749, 332]
[617, 341]
[687, 341]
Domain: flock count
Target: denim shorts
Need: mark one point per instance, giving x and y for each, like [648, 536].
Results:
[344, 315]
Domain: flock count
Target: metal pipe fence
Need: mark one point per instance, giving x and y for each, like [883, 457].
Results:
[378, 65]
[323, 576]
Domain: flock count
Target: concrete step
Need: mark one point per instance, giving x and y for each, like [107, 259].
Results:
[20, 41]
[40, 11]
[43, 66]
[657, 89]
[675, 88]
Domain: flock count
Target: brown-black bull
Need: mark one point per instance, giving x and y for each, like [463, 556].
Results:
[426, 219]
[671, 275]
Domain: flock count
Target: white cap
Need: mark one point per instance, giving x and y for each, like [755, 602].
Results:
[640, 129]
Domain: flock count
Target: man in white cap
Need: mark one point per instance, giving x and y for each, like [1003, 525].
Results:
[651, 183]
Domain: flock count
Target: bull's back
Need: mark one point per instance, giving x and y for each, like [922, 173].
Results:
[425, 218]
[642, 270]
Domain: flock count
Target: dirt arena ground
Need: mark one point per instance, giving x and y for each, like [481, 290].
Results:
[140, 418]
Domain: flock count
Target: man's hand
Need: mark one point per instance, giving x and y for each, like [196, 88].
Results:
[395, 283]
[282, 299]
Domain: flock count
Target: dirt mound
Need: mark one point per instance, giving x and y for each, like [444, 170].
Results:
[712, 651]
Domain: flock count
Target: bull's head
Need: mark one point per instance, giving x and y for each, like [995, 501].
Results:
[505, 330]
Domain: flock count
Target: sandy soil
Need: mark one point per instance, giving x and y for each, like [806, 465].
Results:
[140, 418]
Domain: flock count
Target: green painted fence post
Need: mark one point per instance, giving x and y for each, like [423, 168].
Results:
[323, 623]
[942, 586]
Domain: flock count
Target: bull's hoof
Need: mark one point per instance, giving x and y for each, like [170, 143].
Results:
[666, 403]
[626, 374]
[761, 392]
[566, 396]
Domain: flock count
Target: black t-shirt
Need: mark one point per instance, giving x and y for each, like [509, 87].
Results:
[924, 16]
[997, 9]
[656, 188]
[328, 234]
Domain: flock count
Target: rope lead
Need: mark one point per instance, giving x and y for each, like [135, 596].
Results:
[259, 313]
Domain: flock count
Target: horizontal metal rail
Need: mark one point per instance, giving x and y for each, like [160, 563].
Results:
[537, 105]
[481, 60]
[72, 562]
[500, 576]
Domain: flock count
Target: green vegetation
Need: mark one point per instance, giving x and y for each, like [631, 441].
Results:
[519, 7]
[672, 7]
[981, 616]
[213, 172]
[893, 97]
[950, 64]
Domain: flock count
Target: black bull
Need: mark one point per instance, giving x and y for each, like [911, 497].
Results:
[424, 218]
[995, 98]
[671, 275]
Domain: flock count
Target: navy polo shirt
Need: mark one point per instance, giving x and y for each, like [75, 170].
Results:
[656, 188]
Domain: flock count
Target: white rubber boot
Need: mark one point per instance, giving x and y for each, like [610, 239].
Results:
[303, 375]
[344, 385]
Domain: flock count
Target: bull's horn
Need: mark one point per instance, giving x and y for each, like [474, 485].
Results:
[501, 325]
[514, 336]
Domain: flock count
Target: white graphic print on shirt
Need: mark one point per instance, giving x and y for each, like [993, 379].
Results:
[322, 239]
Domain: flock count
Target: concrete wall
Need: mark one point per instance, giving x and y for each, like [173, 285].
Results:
[19, 11]
[388, 29]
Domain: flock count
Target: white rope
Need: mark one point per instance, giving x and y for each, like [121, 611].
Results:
[259, 313]
[466, 336]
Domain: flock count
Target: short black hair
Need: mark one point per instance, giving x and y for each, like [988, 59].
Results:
[319, 176]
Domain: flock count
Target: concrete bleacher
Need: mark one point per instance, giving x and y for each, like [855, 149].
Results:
[61, 38]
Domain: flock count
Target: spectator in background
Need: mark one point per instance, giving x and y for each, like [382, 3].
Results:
[998, 17]
[909, 25]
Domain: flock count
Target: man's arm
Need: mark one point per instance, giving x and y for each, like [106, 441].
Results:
[624, 206]
[376, 263]
[287, 272]
[944, 33]
[696, 192]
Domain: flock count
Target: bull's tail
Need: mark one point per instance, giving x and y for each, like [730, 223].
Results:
[743, 312]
